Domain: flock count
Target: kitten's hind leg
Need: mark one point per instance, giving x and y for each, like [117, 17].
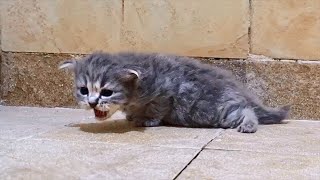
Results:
[249, 123]
[242, 118]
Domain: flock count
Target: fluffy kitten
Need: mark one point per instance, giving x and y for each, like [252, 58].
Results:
[156, 89]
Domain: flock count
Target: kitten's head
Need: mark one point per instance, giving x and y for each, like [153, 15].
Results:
[101, 82]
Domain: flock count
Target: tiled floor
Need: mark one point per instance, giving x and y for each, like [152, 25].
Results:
[36, 144]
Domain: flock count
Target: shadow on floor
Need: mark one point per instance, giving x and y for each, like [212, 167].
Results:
[114, 126]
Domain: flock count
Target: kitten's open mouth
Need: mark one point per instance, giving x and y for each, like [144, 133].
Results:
[100, 115]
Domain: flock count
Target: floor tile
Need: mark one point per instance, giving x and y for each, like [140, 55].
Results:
[295, 138]
[40, 159]
[219, 164]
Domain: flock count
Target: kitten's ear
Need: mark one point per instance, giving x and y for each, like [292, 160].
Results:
[129, 75]
[68, 64]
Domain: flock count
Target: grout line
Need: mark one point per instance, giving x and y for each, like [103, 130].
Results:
[185, 167]
[297, 60]
[229, 150]
[202, 148]
[122, 11]
[250, 28]
[264, 152]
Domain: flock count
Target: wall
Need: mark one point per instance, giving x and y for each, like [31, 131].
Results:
[37, 34]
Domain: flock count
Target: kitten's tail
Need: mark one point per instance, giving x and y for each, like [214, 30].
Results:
[268, 115]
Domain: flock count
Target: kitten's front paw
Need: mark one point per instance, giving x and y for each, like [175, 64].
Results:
[152, 123]
[149, 123]
[248, 127]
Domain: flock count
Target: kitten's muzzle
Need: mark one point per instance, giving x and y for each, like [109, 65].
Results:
[93, 102]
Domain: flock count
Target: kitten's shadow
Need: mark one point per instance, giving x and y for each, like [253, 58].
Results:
[111, 126]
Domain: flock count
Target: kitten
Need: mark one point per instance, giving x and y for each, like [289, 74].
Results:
[155, 89]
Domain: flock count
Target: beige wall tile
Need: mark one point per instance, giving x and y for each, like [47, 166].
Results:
[286, 28]
[187, 27]
[61, 26]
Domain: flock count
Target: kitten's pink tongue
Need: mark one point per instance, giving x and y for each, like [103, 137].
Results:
[100, 115]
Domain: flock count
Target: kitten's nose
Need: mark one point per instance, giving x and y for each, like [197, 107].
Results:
[93, 101]
[93, 105]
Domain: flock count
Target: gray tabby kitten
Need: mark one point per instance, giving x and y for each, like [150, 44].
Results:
[156, 89]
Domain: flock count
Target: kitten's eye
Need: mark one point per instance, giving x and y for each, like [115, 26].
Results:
[106, 92]
[84, 91]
